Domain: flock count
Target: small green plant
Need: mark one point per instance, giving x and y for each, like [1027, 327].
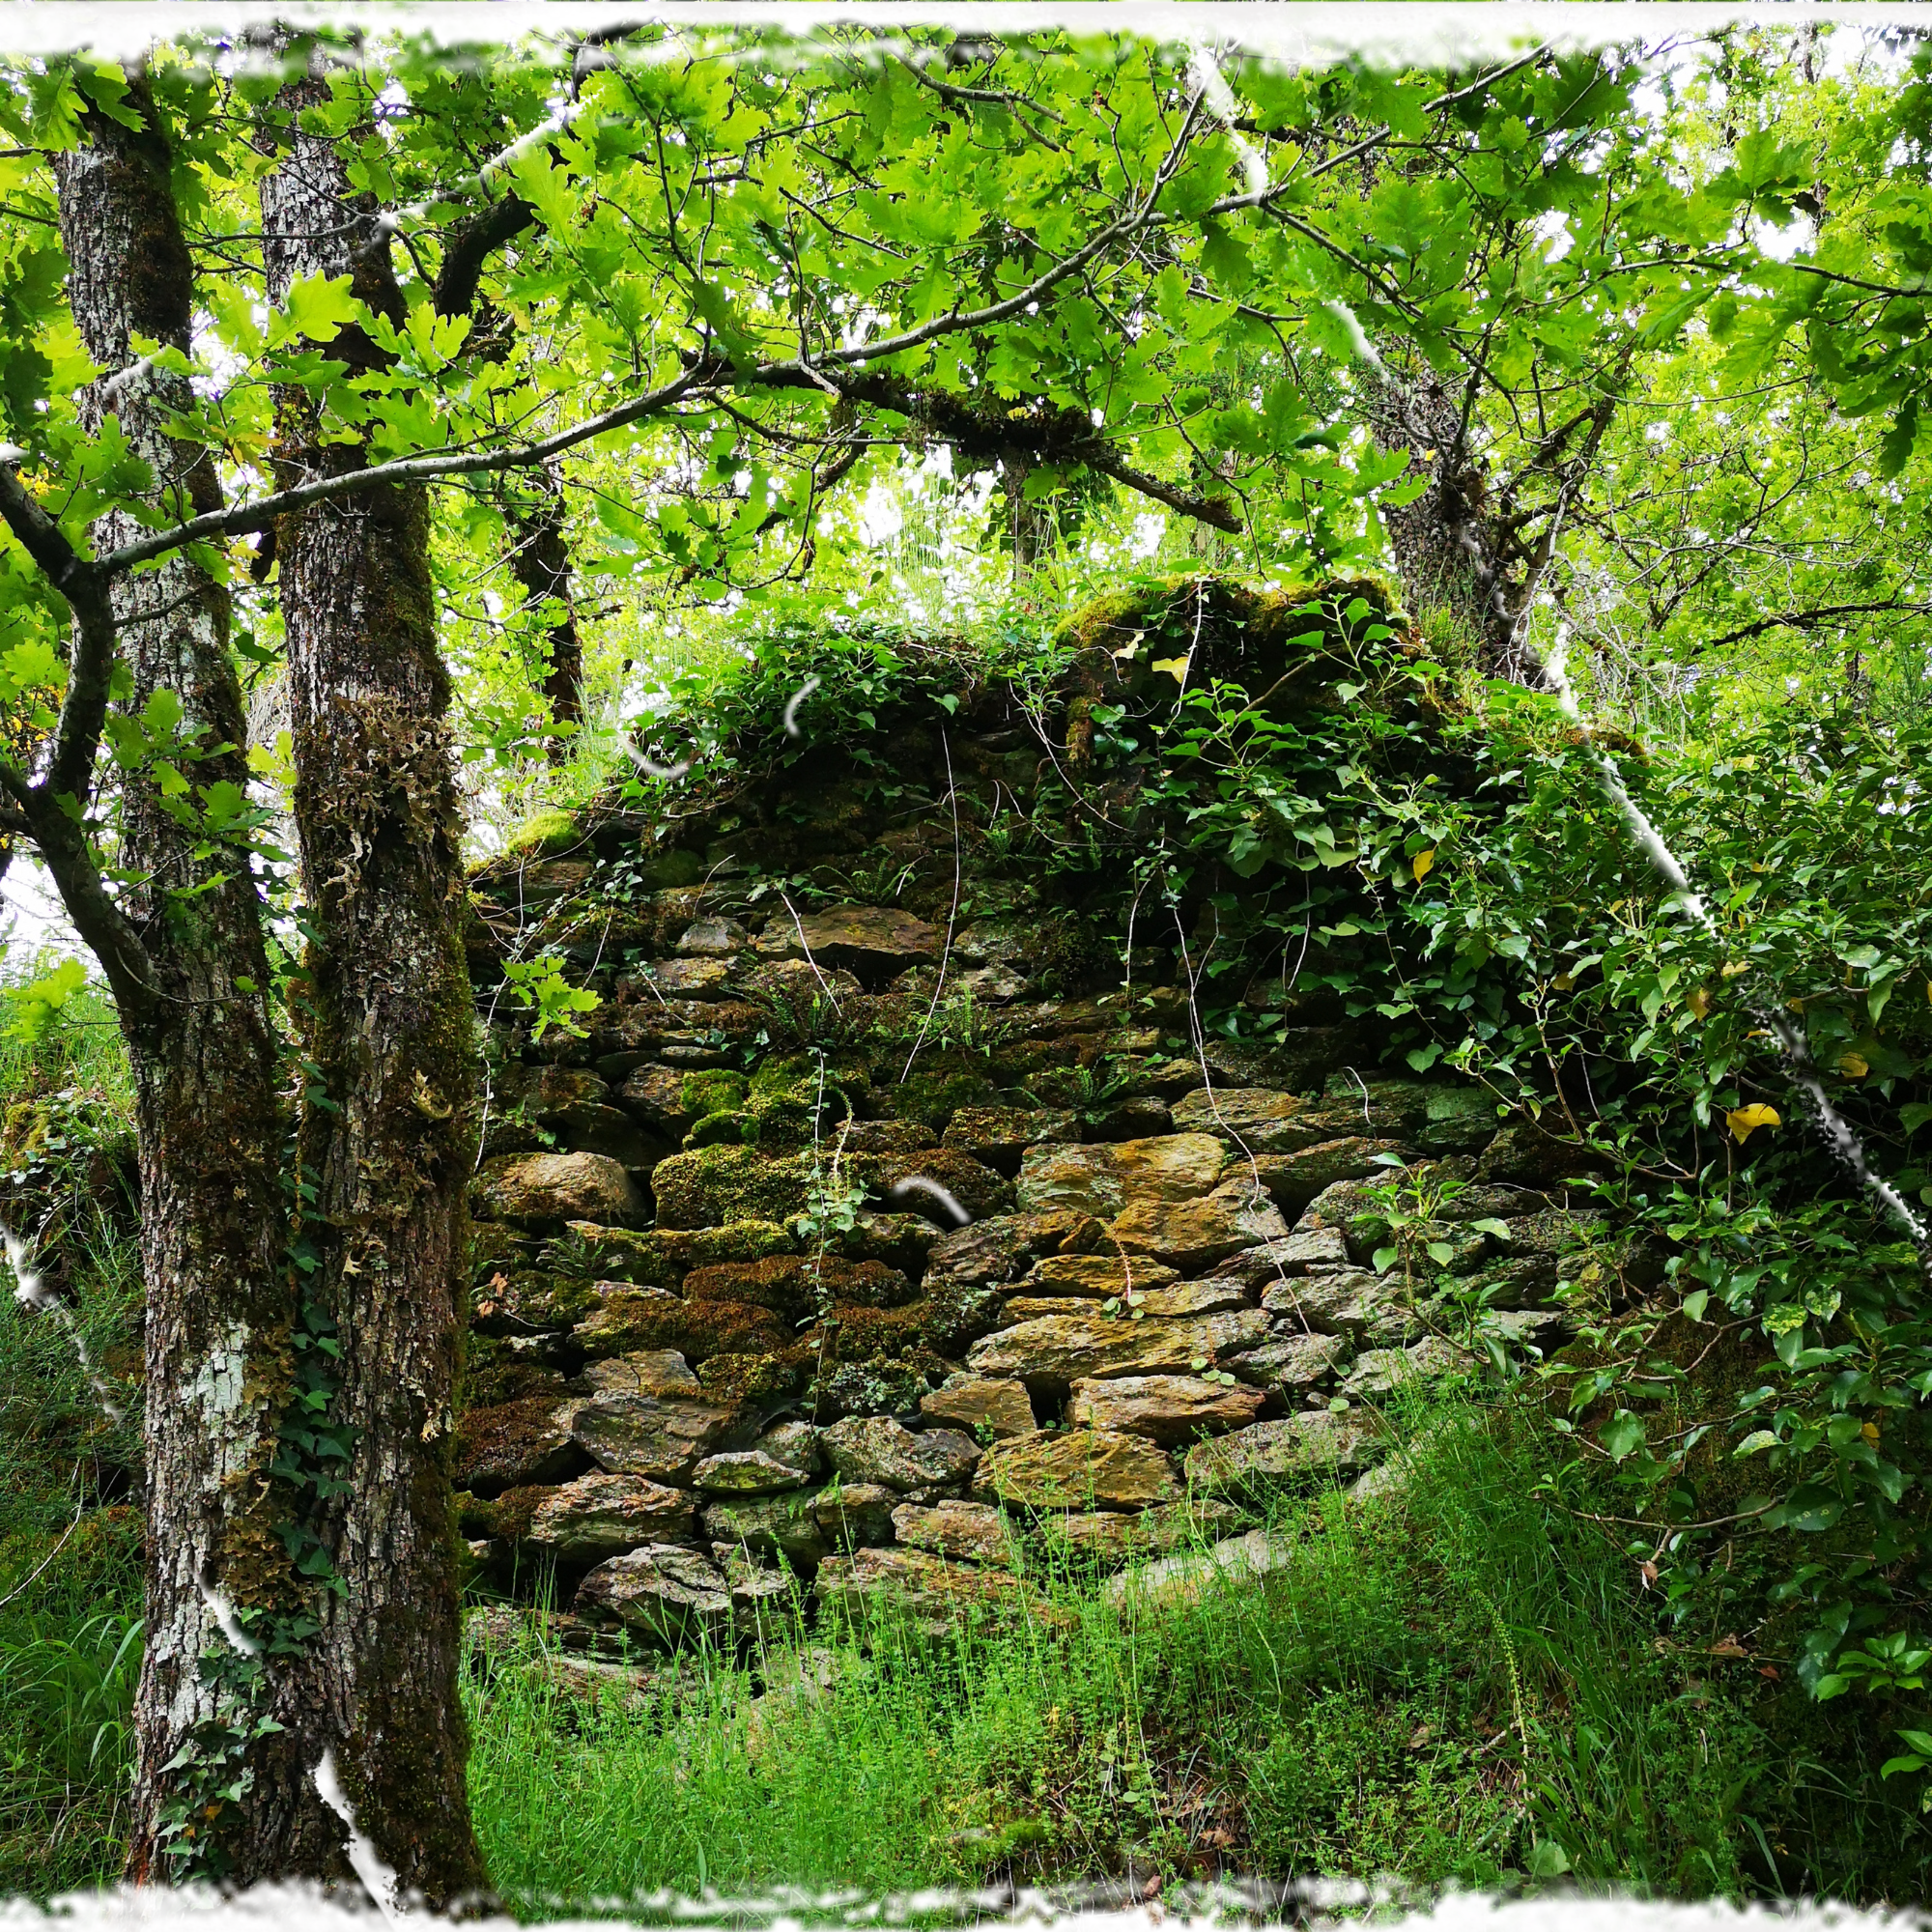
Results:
[540, 985]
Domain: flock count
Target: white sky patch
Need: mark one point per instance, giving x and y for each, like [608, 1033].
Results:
[1781, 242]
[1553, 228]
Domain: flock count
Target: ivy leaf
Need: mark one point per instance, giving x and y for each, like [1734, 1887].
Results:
[1623, 1435]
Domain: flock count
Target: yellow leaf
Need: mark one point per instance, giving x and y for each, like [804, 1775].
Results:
[1743, 1122]
[1563, 981]
[1870, 1431]
[1733, 967]
[1175, 667]
[1421, 864]
[1699, 1002]
[1854, 1066]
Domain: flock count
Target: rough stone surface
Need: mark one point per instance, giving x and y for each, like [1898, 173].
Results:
[745, 1472]
[1259, 1120]
[1295, 1179]
[659, 1371]
[1383, 1371]
[1102, 1180]
[1317, 1441]
[906, 1182]
[1108, 1538]
[1097, 1277]
[1291, 1364]
[852, 1515]
[630, 1319]
[975, 1403]
[543, 1189]
[1303, 1251]
[600, 1515]
[934, 1595]
[662, 1437]
[1065, 1348]
[1351, 1301]
[975, 1532]
[783, 1525]
[1194, 1234]
[1172, 1410]
[1076, 1469]
[1188, 1578]
[875, 1449]
[1000, 1136]
[516, 1444]
[872, 941]
[666, 1596]
[792, 1286]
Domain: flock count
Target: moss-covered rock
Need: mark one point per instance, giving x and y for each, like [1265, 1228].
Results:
[710, 1186]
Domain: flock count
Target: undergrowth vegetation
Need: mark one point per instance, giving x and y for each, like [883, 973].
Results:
[1454, 1683]
[1661, 1622]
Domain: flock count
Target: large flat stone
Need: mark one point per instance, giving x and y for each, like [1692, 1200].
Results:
[1109, 1538]
[1195, 1235]
[1172, 1410]
[547, 1189]
[794, 1286]
[930, 1592]
[1295, 1179]
[853, 1516]
[1291, 1364]
[1303, 1251]
[1097, 1277]
[629, 1320]
[659, 1371]
[1186, 1577]
[872, 940]
[972, 1532]
[1383, 1371]
[1065, 1348]
[1076, 1469]
[515, 1443]
[783, 1525]
[875, 1449]
[1102, 1180]
[660, 1436]
[1316, 1443]
[975, 1403]
[1374, 1309]
[599, 1516]
[1258, 1120]
[665, 1596]
[1184, 1298]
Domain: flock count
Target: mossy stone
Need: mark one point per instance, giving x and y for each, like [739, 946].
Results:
[545, 834]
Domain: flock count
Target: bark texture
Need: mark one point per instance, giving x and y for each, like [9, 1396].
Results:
[392, 1029]
[1445, 545]
[201, 1043]
[540, 557]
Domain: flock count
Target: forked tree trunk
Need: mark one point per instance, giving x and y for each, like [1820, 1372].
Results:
[200, 1041]
[392, 1029]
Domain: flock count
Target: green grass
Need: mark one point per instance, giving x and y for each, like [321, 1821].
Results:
[1462, 1686]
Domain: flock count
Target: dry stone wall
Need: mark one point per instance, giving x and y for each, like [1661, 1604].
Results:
[876, 1238]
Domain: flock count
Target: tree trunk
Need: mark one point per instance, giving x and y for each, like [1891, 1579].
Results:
[1445, 548]
[393, 1032]
[202, 1048]
[540, 559]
